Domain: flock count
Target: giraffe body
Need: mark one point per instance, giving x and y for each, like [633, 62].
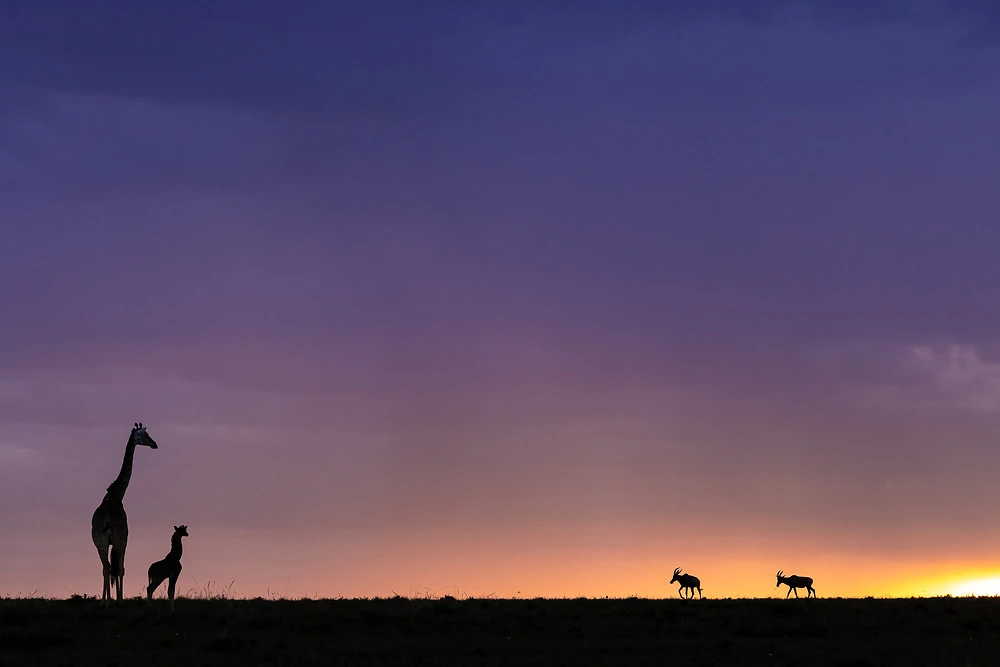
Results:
[109, 523]
[109, 529]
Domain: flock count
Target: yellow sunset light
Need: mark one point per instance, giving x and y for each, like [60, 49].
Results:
[986, 586]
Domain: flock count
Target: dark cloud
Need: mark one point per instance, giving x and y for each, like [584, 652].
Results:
[344, 57]
[842, 12]
[375, 59]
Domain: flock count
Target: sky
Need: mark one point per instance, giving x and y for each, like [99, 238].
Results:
[503, 298]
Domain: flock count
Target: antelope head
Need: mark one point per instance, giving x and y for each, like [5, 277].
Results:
[779, 578]
[677, 572]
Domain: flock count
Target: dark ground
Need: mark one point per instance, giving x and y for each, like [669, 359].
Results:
[935, 631]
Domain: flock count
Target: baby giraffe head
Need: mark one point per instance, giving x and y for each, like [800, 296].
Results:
[180, 531]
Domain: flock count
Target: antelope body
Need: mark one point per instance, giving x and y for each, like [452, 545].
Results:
[795, 581]
[688, 582]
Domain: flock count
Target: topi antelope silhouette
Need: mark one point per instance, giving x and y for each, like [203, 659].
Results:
[795, 581]
[688, 582]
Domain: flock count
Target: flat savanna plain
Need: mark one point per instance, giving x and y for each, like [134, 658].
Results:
[402, 631]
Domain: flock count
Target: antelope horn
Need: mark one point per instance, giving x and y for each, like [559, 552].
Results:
[677, 570]
[779, 572]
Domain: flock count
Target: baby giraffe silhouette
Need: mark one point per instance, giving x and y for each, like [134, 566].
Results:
[168, 568]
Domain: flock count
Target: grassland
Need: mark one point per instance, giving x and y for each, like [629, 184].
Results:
[400, 631]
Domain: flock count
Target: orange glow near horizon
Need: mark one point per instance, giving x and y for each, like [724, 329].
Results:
[420, 565]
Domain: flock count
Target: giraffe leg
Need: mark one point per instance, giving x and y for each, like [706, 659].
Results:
[114, 571]
[170, 589]
[118, 563]
[114, 568]
[106, 567]
[154, 583]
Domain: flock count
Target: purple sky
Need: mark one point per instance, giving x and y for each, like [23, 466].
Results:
[544, 296]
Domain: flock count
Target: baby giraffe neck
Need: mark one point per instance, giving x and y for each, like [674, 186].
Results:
[175, 548]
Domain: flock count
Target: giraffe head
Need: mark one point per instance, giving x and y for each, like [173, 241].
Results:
[180, 531]
[141, 437]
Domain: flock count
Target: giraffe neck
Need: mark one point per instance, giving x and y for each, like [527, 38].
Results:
[120, 485]
[175, 548]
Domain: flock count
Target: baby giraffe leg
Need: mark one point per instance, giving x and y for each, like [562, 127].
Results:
[154, 583]
[170, 589]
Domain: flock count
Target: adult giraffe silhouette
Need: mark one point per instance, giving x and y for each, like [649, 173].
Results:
[109, 525]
